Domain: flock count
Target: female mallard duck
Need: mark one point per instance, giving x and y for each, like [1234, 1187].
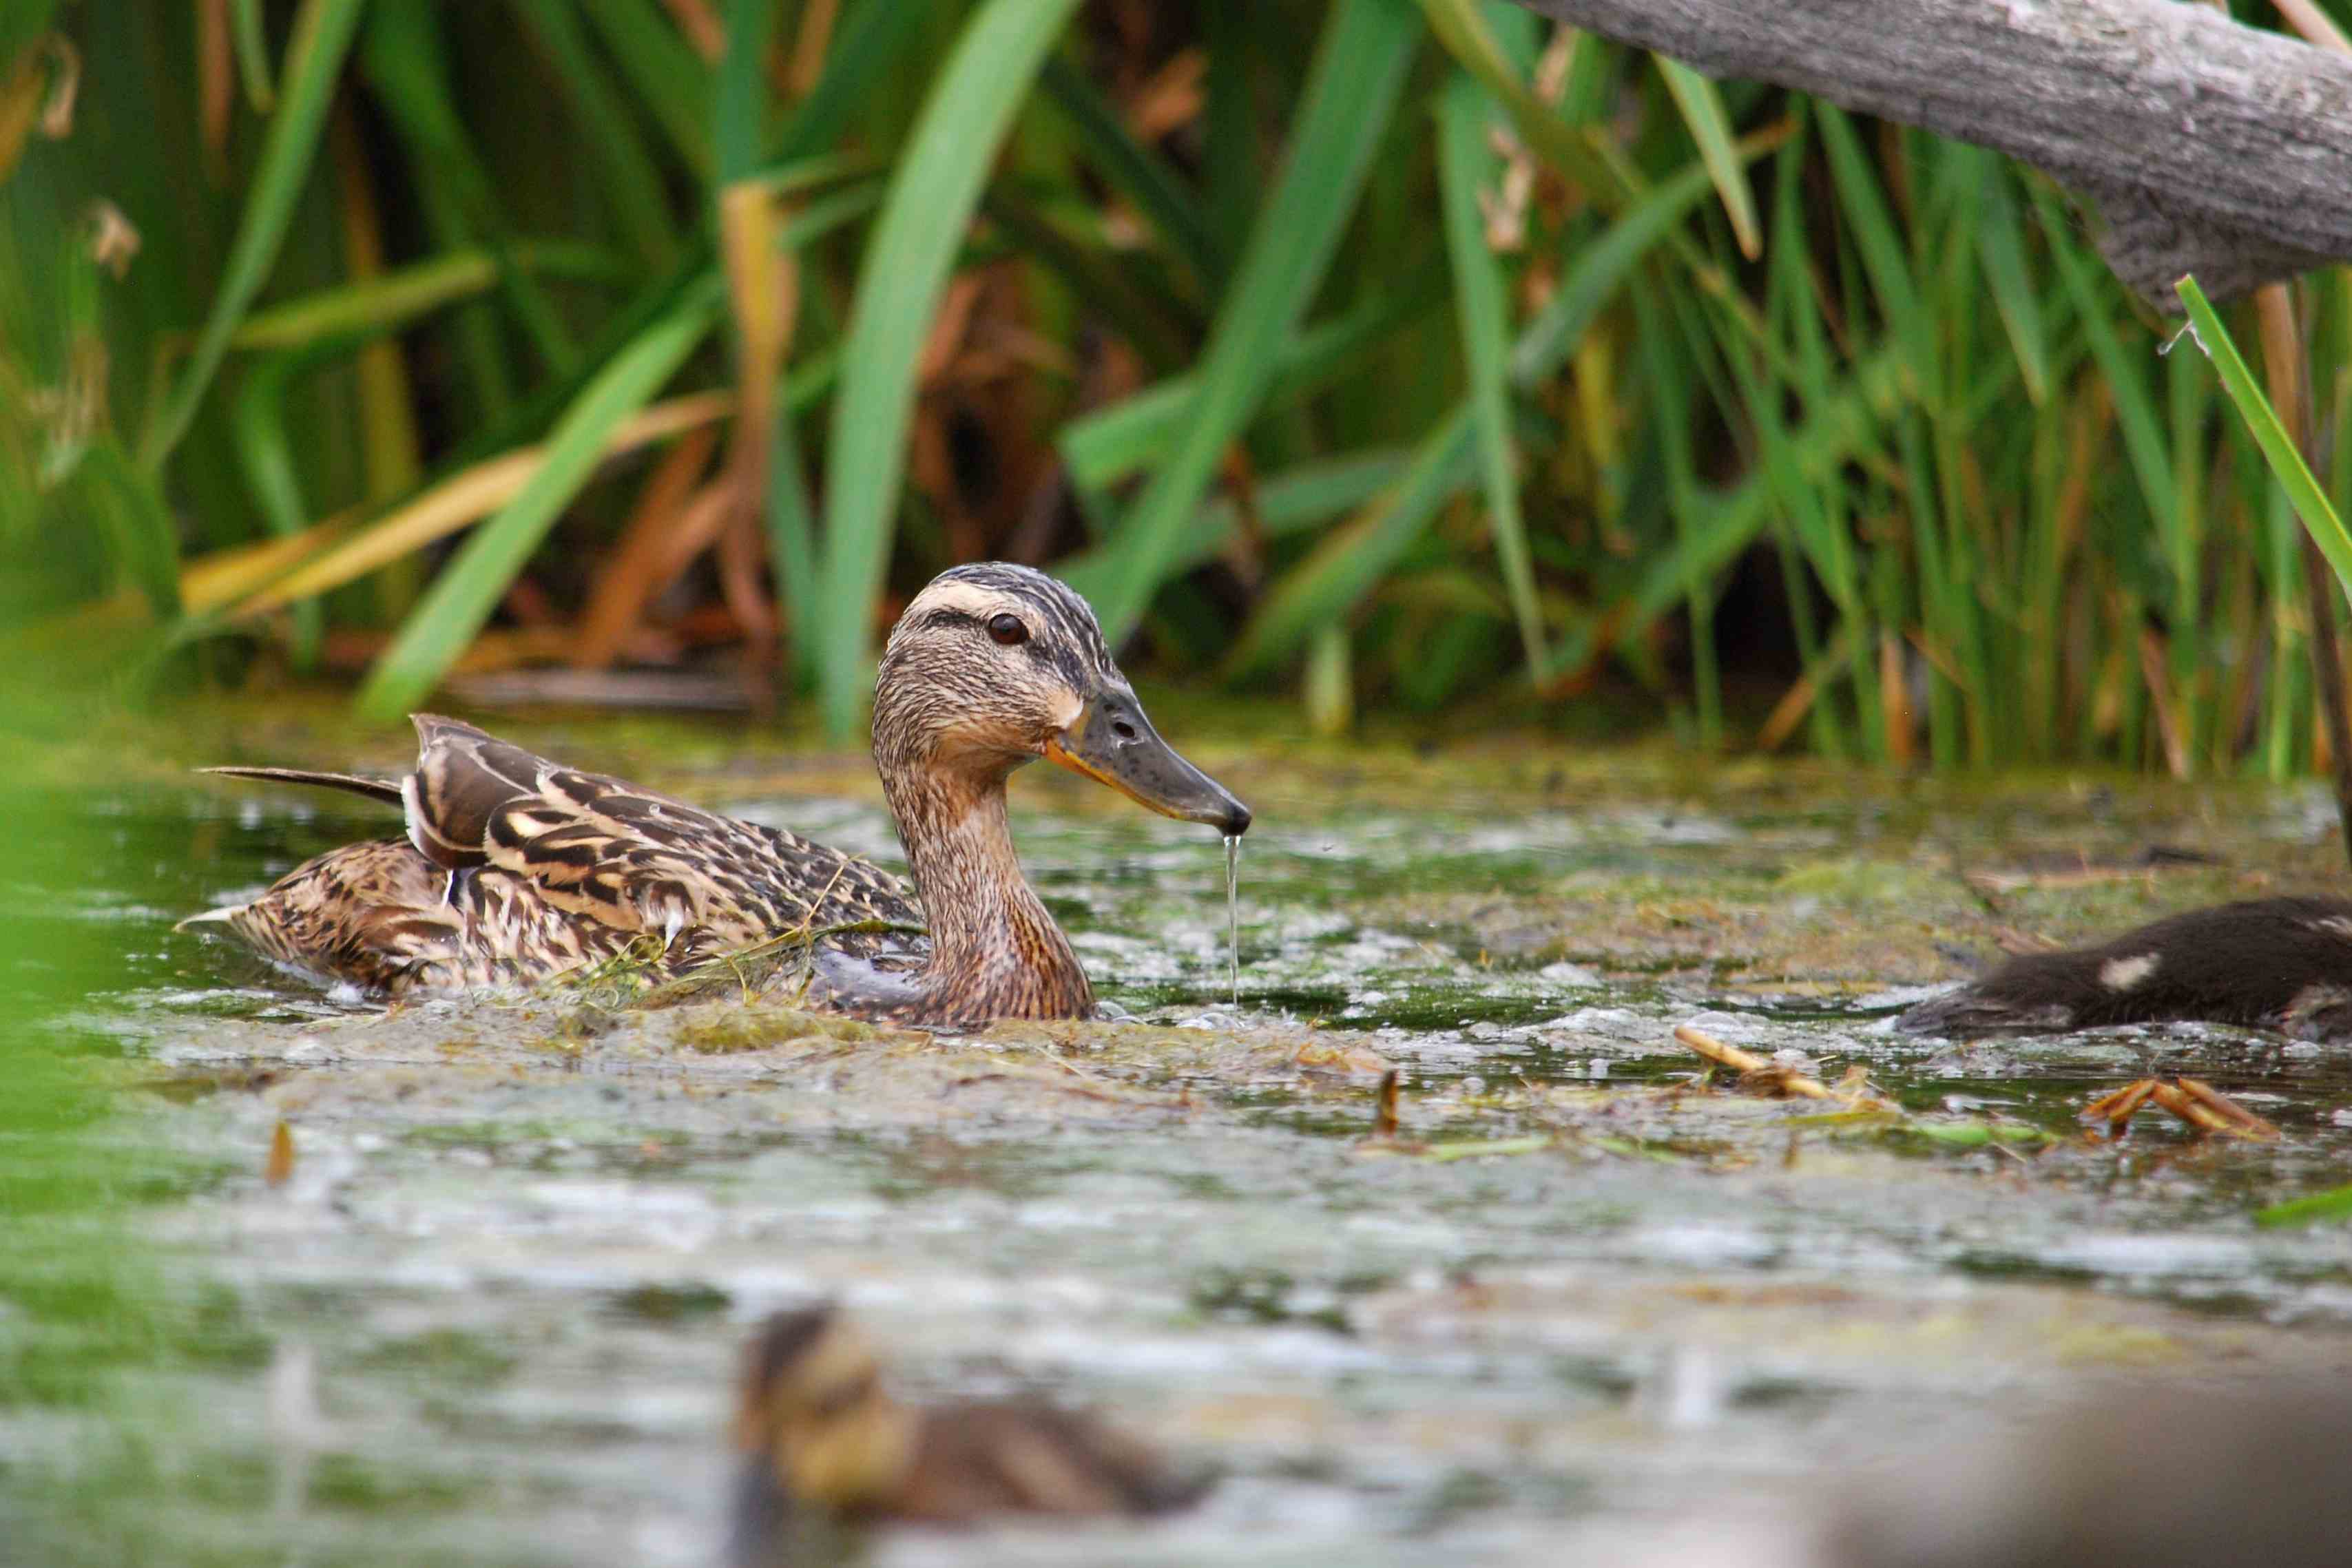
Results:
[824, 1443]
[2282, 963]
[517, 869]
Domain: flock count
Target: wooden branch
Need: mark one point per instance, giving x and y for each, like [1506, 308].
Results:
[2210, 147]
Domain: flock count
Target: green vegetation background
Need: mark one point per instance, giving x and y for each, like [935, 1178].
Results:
[1380, 354]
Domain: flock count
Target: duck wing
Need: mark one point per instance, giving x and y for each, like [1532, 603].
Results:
[383, 789]
[380, 916]
[466, 781]
[606, 851]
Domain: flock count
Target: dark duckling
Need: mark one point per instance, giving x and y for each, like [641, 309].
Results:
[2281, 964]
[827, 1446]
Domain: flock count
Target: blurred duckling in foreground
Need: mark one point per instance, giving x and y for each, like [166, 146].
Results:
[2182, 1476]
[2193, 1473]
[826, 1445]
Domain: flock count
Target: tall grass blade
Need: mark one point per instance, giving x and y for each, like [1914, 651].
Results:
[862, 50]
[252, 54]
[1710, 127]
[1351, 91]
[1572, 149]
[2000, 246]
[252, 580]
[1137, 172]
[1290, 502]
[1347, 563]
[314, 60]
[462, 597]
[1131, 434]
[914, 244]
[631, 181]
[392, 300]
[2136, 414]
[737, 107]
[2279, 449]
[265, 447]
[1465, 160]
[669, 78]
[1879, 239]
[1598, 270]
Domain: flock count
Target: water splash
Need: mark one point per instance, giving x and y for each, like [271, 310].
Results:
[1233, 910]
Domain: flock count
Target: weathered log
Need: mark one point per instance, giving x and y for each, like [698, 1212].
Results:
[2209, 147]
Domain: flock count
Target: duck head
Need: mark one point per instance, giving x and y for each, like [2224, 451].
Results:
[994, 666]
[815, 1415]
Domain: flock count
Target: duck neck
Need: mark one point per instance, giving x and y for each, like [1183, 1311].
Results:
[995, 952]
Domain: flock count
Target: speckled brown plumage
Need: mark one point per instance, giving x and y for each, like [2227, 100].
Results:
[519, 870]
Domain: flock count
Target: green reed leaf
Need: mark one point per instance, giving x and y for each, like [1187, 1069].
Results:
[914, 244]
[1710, 127]
[1351, 91]
[314, 62]
[2279, 449]
[462, 597]
[1465, 161]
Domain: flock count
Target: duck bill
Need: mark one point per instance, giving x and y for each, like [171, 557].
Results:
[1114, 743]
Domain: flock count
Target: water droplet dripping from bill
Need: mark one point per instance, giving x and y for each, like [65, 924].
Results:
[1233, 910]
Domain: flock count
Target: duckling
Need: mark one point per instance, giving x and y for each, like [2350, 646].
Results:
[516, 870]
[826, 1444]
[2173, 1475]
[2282, 963]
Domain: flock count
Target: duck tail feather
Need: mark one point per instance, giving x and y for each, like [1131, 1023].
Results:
[378, 789]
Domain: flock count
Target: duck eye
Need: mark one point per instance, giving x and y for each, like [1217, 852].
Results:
[1008, 630]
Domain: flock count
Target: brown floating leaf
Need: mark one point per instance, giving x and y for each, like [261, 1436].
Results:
[1761, 1075]
[281, 1166]
[2116, 1108]
[1717, 1052]
[2216, 1111]
[2192, 1099]
[1777, 1082]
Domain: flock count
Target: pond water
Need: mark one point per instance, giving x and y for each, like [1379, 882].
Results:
[492, 1311]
